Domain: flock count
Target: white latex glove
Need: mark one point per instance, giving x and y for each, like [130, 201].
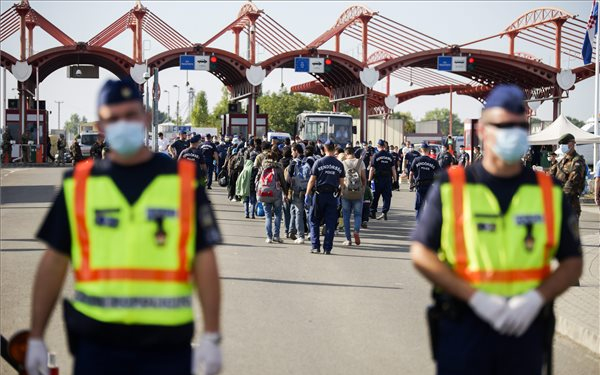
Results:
[488, 307]
[521, 312]
[36, 359]
[207, 355]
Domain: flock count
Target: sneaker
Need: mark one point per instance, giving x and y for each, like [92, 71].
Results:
[327, 252]
[382, 216]
[372, 215]
[315, 251]
[347, 243]
[254, 217]
[277, 239]
[299, 241]
[287, 235]
[356, 238]
[268, 240]
[247, 216]
[364, 225]
[292, 236]
[209, 188]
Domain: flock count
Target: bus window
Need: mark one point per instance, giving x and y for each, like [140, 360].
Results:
[342, 130]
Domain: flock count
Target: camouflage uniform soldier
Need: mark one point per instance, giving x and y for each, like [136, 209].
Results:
[570, 171]
[6, 146]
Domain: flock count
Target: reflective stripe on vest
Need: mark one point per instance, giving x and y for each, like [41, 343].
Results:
[477, 269]
[82, 172]
[134, 302]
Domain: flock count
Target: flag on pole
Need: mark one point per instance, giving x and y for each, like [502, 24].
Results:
[588, 38]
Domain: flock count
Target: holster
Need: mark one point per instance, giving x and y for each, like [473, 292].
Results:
[433, 320]
[445, 306]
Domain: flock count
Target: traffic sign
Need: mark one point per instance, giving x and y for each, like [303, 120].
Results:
[444, 63]
[187, 62]
[459, 63]
[202, 63]
[317, 65]
[302, 64]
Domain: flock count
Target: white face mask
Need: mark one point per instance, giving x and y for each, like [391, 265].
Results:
[125, 137]
[564, 148]
[510, 143]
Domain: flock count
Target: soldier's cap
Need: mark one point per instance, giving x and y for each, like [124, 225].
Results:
[424, 145]
[196, 139]
[119, 91]
[508, 97]
[565, 139]
[381, 142]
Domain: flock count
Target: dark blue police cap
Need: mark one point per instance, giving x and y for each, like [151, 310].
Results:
[118, 91]
[424, 145]
[329, 142]
[195, 139]
[381, 142]
[508, 97]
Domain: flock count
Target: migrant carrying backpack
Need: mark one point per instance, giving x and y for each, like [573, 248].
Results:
[269, 186]
[301, 176]
[352, 183]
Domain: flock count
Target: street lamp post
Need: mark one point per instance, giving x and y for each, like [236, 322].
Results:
[58, 115]
[177, 110]
[168, 105]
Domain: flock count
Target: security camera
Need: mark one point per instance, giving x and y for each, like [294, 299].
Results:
[146, 76]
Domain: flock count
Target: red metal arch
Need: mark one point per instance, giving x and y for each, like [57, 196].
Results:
[53, 59]
[231, 68]
[492, 67]
[536, 17]
[7, 60]
[345, 69]
[347, 18]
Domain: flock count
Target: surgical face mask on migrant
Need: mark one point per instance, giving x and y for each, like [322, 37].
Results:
[510, 144]
[125, 137]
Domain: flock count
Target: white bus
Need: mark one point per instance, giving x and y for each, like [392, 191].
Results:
[321, 125]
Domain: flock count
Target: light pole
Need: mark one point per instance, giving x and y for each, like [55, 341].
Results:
[191, 97]
[177, 110]
[168, 105]
[58, 115]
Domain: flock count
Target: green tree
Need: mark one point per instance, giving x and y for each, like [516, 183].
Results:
[200, 115]
[72, 124]
[575, 121]
[408, 120]
[443, 115]
[221, 108]
[283, 107]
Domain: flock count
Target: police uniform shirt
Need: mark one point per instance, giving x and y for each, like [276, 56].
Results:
[328, 171]
[131, 182]
[382, 162]
[194, 154]
[180, 145]
[429, 230]
[208, 149]
[410, 157]
[446, 160]
[424, 169]
[463, 159]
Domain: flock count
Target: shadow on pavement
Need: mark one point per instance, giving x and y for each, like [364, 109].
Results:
[275, 281]
[28, 194]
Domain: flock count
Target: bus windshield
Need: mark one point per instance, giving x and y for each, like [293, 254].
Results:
[316, 128]
[342, 130]
[88, 139]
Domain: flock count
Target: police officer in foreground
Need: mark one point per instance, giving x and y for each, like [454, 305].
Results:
[485, 240]
[423, 171]
[327, 178]
[570, 171]
[384, 174]
[139, 236]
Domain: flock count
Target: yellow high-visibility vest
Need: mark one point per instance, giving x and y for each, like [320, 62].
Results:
[505, 254]
[133, 262]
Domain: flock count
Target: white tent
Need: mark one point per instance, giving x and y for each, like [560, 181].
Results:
[557, 129]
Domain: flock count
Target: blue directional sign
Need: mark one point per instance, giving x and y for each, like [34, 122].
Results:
[302, 64]
[187, 62]
[444, 63]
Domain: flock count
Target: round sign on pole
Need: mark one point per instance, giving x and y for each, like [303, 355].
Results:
[369, 77]
[21, 71]
[255, 75]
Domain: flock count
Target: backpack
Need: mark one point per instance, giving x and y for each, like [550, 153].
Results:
[269, 186]
[300, 176]
[352, 182]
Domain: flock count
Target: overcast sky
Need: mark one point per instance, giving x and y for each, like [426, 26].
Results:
[449, 21]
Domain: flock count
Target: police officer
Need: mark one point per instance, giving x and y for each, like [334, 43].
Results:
[492, 313]
[138, 235]
[570, 171]
[194, 154]
[327, 178]
[178, 145]
[410, 156]
[211, 157]
[463, 157]
[446, 159]
[384, 174]
[423, 170]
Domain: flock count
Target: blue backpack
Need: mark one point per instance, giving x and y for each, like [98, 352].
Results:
[301, 176]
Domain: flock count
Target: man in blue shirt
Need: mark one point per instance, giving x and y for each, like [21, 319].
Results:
[383, 173]
[423, 170]
[210, 155]
[411, 155]
[326, 179]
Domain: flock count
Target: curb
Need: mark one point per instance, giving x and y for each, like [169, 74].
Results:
[580, 335]
[34, 165]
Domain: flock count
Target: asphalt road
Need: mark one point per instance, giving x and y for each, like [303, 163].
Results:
[285, 311]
